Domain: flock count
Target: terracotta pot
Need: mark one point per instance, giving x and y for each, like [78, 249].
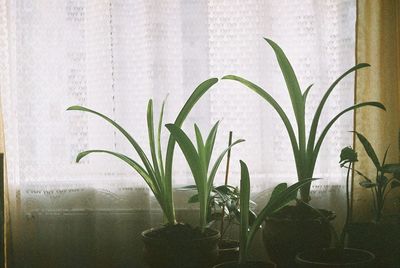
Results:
[334, 258]
[180, 253]
[251, 264]
[284, 237]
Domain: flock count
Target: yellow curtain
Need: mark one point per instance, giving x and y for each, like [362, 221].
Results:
[377, 43]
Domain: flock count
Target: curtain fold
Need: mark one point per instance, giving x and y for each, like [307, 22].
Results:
[377, 43]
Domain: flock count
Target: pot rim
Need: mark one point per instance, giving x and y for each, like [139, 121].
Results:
[370, 255]
[145, 235]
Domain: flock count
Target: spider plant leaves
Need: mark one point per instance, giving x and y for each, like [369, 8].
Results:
[369, 150]
[275, 105]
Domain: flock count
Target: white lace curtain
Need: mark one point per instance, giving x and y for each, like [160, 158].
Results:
[112, 56]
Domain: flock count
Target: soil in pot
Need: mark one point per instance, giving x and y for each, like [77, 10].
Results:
[295, 229]
[251, 264]
[334, 258]
[382, 239]
[228, 251]
[180, 246]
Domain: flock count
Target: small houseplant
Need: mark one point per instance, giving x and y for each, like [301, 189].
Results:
[290, 231]
[382, 234]
[281, 195]
[339, 256]
[159, 251]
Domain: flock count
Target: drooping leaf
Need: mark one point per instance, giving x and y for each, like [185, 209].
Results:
[275, 105]
[131, 140]
[318, 112]
[330, 124]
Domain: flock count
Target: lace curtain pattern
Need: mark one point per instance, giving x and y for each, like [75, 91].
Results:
[112, 56]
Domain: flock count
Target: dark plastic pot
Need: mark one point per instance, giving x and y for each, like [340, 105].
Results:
[251, 264]
[178, 253]
[228, 251]
[334, 258]
[285, 237]
[382, 239]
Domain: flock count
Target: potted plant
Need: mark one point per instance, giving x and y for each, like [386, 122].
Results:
[281, 195]
[339, 256]
[296, 228]
[382, 234]
[224, 213]
[174, 244]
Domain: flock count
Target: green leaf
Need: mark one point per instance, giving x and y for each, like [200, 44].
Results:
[209, 146]
[305, 94]
[150, 131]
[244, 209]
[195, 164]
[151, 182]
[278, 190]
[369, 149]
[362, 175]
[395, 183]
[317, 115]
[367, 184]
[279, 200]
[277, 108]
[391, 168]
[293, 88]
[200, 148]
[214, 169]
[329, 125]
[159, 151]
[196, 95]
[132, 141]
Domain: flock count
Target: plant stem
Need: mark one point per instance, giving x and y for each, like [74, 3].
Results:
[226, 183]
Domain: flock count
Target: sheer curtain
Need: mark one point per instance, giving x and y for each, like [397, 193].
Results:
[112, 56]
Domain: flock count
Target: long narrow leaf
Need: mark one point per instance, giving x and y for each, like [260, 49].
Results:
[277, 108]
[210, 141]
[329, 125]
[279, 201]
[244, 211]
[291, 82]
[214, 169]
[305, 94]
[150, 132]
[132, 141]
[369, 150]
[317, 115]
[200, 148]
[159, 150]
[196, 95]
[151, 182]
